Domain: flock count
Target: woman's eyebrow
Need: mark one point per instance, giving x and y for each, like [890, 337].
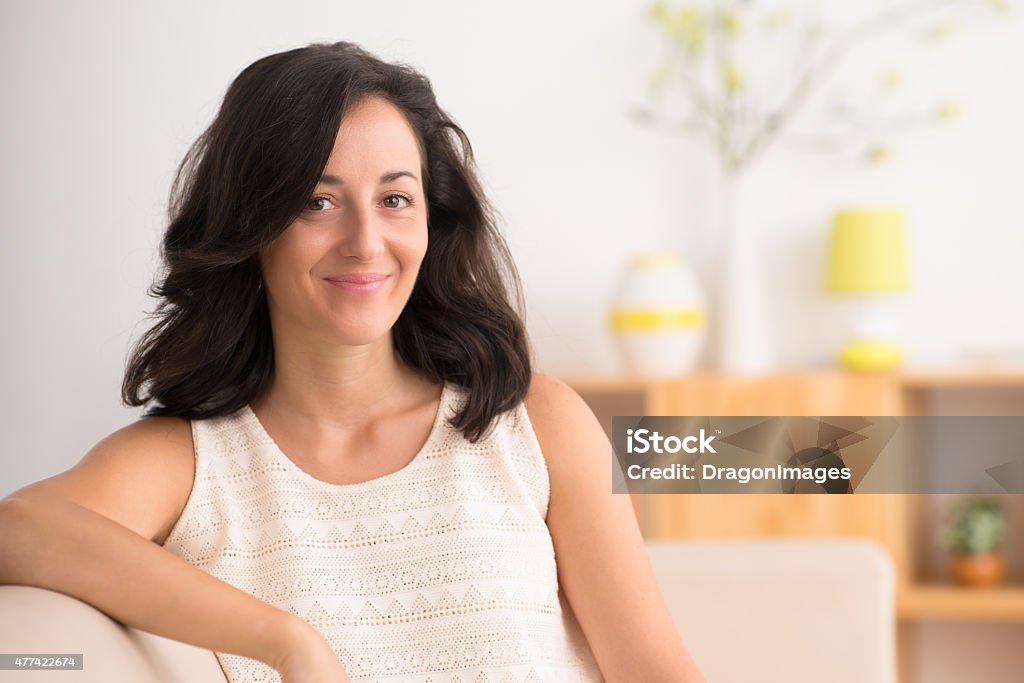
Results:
[386, 178]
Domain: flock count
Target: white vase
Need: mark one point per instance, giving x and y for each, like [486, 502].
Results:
[740, 332]
[659, 316]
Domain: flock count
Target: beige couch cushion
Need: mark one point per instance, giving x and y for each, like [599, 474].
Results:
[787, 610]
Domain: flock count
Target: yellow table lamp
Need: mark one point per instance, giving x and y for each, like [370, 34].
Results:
[868, 263]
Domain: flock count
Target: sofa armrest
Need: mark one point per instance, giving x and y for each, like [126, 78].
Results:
[40, 621]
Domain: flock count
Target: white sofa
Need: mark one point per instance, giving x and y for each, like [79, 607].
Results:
[38, 621]
[792, 611]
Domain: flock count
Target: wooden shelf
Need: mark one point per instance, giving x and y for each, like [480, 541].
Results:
[887, 519]
[618, 383]
[916, 379]
[953, 602]
[956, 379]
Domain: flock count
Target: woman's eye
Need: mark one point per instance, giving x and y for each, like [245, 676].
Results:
[319, 204]
[397, 198]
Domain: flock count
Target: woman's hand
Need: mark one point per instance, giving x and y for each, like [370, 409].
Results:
[309, 658]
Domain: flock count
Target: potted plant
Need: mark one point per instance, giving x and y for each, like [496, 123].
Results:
[974, 535]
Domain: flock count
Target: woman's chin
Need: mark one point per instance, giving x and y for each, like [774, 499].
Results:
[352, 335]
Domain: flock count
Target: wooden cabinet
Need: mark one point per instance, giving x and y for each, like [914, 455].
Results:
[898, 522]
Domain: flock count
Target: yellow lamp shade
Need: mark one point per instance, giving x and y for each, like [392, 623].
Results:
[867, 252]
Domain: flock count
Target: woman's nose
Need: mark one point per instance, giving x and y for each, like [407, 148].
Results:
[362, 238]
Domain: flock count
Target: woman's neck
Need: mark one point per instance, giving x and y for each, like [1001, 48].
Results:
[341, 386]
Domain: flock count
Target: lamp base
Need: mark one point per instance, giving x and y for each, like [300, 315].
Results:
[871, 355]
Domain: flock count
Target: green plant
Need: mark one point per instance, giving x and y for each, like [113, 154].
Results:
[975, 526]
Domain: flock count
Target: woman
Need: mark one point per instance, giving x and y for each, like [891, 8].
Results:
[349, 471]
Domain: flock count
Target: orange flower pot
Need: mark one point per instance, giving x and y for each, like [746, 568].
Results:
[985, 569]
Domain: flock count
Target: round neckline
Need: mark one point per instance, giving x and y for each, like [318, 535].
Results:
[435, 431]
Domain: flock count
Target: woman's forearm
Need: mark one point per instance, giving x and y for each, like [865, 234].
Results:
[56, 544]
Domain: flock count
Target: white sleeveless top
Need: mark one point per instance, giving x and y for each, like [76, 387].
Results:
[441, 572]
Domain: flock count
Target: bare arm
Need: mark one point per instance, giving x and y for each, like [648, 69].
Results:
[92, 533]
[603, 566]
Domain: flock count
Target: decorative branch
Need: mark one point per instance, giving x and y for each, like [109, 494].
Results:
[818, 72]
[727, 113]
[867, 130]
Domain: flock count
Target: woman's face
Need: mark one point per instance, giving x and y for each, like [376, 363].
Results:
[343, 271]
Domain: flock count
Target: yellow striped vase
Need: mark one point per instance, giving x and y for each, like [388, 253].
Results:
[659, 316]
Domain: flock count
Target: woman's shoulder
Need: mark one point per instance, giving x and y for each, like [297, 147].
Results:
[139, 476]
[157, 438]
[169, 431]
[550, 401]
[560, 417]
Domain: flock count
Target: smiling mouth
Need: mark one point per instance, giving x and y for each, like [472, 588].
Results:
[359, 283]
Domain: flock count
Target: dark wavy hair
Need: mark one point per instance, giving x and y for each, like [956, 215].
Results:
[248, 176]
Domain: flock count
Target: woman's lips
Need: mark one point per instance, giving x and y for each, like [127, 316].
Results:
[362, 283]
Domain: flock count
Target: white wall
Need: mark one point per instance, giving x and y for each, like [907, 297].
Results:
[100, 101]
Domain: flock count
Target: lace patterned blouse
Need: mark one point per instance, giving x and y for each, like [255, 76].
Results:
[441, 572]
